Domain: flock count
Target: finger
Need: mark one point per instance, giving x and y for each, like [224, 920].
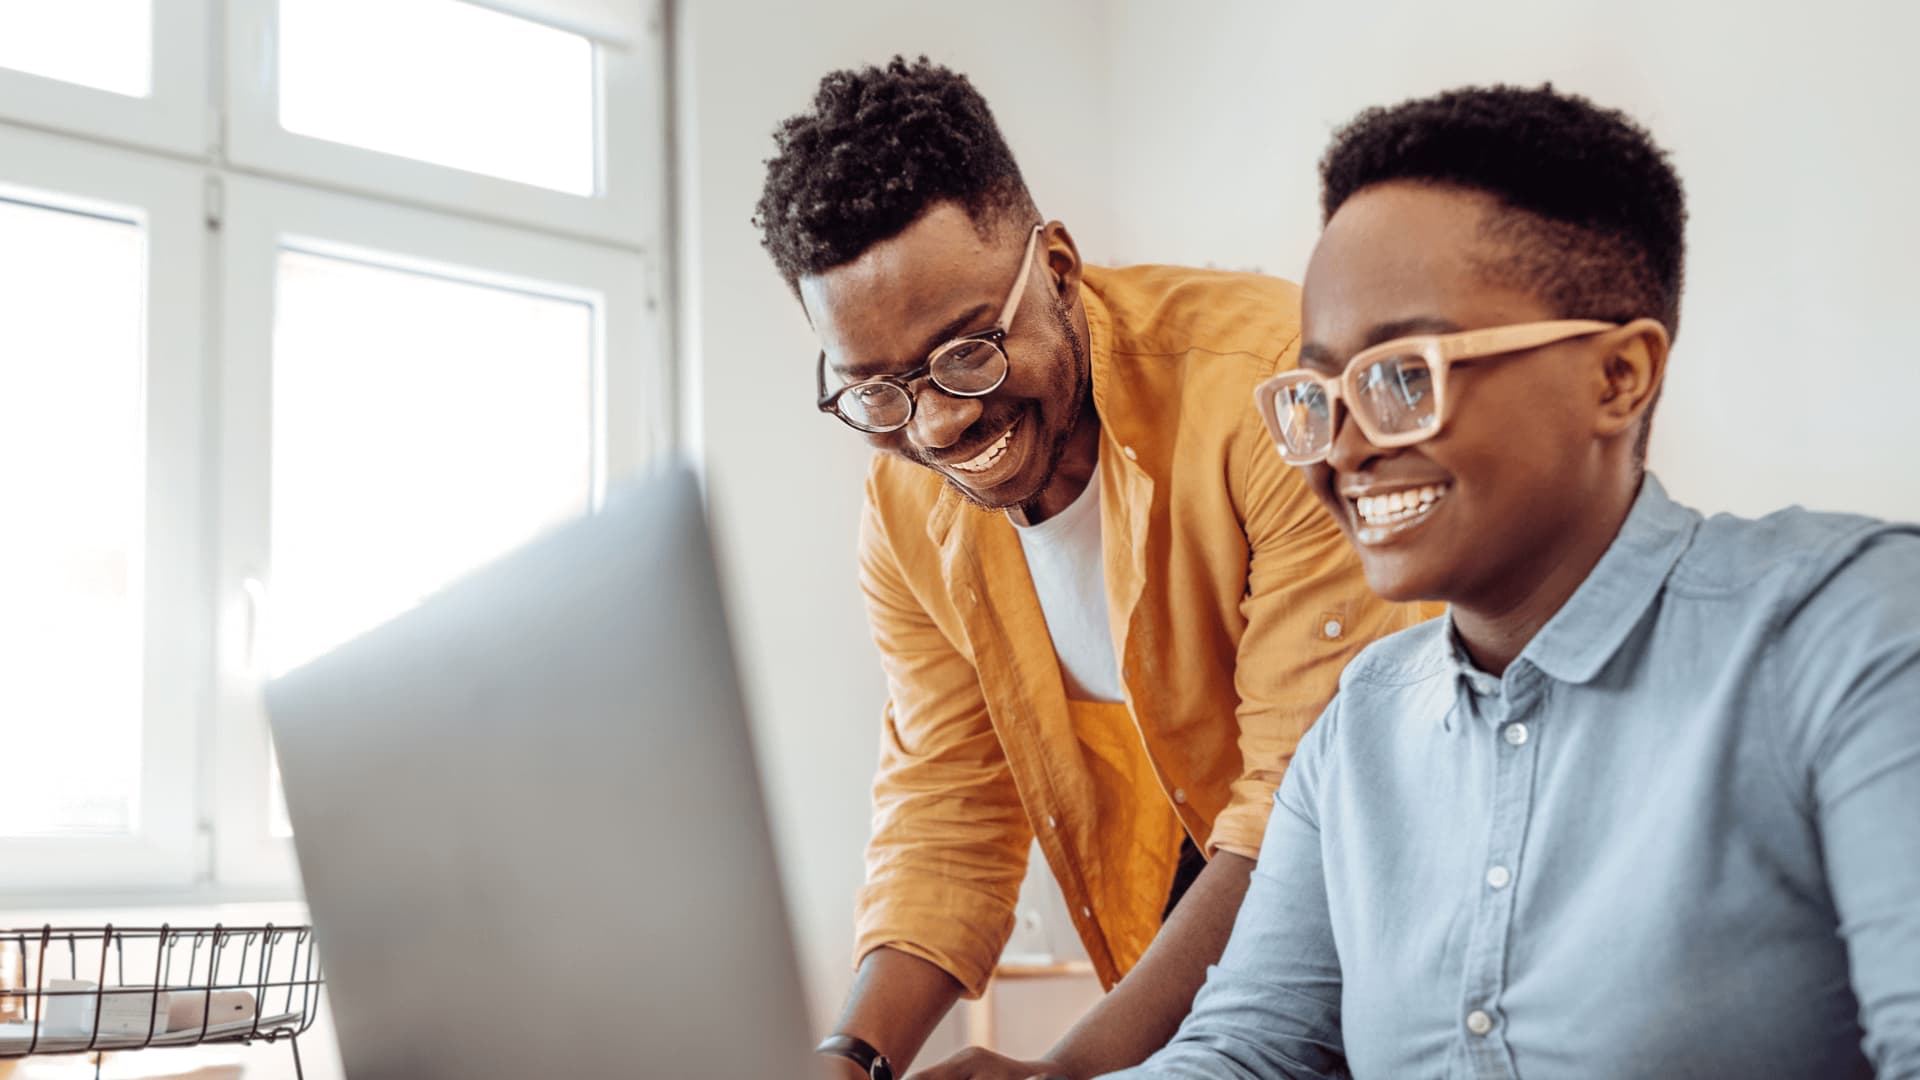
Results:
[964, 1065]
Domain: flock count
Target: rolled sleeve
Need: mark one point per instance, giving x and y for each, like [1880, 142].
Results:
[950, 838]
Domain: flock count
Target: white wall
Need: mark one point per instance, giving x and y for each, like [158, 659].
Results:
[1791, 125]
[785, 482]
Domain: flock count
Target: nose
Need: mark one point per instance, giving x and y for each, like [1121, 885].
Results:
[1351, 452]
[940, 419]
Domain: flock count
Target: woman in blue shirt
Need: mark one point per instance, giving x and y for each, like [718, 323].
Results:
[1648, 802]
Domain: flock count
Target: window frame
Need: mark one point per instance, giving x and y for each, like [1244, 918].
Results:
[630, 104]
[632, 425]
[172, 117]
[165, 198]
[213, 220]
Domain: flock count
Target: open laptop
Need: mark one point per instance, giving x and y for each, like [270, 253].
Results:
[530, 825]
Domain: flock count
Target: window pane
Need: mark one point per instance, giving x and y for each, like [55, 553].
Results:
[442, 81]
[421, 427]
[72, 293]
[101, 43]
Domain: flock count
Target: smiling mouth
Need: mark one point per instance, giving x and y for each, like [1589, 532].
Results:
[1385, 517]
[988, 458]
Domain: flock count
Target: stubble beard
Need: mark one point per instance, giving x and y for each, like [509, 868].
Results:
[1057, 449]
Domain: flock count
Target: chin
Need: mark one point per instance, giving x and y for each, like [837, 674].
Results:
[1399, 579]
[1018, 490]
[1000, 497]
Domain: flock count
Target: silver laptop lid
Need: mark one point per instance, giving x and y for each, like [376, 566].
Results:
[530, 825]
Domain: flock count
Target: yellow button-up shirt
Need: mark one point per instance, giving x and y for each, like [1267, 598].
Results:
[1234, 602]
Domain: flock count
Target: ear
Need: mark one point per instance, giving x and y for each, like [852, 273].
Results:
[1063, 261]
[1632, 369]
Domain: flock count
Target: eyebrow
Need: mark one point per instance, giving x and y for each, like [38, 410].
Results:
[1315, 355]
[953, 329]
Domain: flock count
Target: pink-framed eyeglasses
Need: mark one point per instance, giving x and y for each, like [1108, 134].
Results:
[1396, 391]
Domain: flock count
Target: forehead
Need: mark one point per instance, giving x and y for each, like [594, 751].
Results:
[1400, 253]
[886, 308]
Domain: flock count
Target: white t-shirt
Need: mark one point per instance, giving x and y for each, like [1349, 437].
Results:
[1063, 557]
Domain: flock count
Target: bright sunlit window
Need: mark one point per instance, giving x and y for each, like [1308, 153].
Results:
[422, 426]
[445, 82]
[71, 480]
[106, 44]
[307, 308]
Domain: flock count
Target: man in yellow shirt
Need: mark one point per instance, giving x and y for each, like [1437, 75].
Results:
[1107, 610]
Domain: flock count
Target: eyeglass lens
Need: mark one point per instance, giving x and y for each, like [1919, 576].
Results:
[1397, 393]
[963, 368]
[1393, 394]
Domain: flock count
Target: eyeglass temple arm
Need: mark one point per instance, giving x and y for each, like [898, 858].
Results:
[1507, 339]
[1012, 305]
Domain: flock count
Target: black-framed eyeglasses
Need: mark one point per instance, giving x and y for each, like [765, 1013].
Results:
[970, 366]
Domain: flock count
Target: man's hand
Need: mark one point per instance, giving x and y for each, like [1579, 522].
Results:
[977, 1064]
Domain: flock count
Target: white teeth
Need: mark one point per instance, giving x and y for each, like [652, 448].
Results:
[985, 460]
[1398, 506]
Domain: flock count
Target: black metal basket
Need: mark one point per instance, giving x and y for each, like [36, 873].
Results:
[276, 965]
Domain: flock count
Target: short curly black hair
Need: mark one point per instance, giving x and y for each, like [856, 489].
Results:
[879, 147]
[1599, 221]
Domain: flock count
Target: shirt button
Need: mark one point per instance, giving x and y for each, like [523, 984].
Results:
[1479, 1022]
[1086, 911]
[1051, 822]
[1333, 629]
[1485, 684]
[972, 597]
[1516, 734]
[1498, 877]
[1131, 456]
[1180, 795]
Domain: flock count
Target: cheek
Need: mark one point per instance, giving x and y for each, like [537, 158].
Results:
[891, 442]
[1510, 480]
[1500, 432]
[1042, 365]
[1040, 377]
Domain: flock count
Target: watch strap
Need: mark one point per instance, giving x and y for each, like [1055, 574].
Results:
[860, 1052]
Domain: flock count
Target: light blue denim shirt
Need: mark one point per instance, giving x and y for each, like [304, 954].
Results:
[1679, 838]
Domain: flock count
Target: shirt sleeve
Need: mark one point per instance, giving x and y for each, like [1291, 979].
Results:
[1270, 1009]
[1308, 611]
[1850, 662]
[950, 838]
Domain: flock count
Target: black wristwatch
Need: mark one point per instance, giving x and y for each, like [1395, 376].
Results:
[858, 1051]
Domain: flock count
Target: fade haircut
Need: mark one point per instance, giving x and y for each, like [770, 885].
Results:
[879, 147]
[1592, 216]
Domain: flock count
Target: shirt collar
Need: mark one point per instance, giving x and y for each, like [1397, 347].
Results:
[1592, 625]
[1465, 670]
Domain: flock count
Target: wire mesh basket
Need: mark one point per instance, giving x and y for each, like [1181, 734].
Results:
[69, 990]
